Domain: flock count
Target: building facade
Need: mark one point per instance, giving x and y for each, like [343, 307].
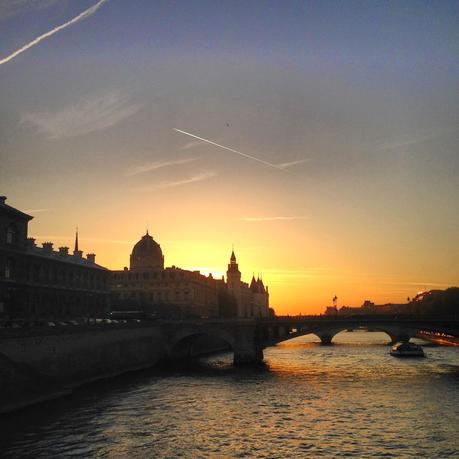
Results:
[148, 286]
[41, 283]
[252, 300]
[170, 292]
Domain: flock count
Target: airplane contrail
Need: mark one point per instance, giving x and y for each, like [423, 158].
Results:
[266, 163]
[90, 11]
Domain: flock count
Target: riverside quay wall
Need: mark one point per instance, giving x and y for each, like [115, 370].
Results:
[36, 365]
[41, 363]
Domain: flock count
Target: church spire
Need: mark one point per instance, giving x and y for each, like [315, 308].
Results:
[233, 266]
[233, 256]
[76, 240]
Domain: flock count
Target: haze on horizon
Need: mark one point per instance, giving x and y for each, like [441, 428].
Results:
[339, 119]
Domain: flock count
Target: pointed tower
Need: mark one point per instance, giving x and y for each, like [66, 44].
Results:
[264, 299]
[233, 275]
[260, 284]
[76, 241]
[234, 285]
[254, 285]
[76, 252]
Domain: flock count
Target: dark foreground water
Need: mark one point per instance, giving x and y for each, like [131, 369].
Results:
[347, 400]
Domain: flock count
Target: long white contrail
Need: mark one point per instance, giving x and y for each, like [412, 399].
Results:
[46, 35]
[266, 163]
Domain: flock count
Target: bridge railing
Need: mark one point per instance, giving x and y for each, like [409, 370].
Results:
[368, 317]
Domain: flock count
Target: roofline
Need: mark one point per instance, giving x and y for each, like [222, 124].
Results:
[14, 211]
[68, 260]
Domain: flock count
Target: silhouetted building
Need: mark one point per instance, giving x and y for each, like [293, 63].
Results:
[174, 292]
[146, 255]
[169, 292]
[253, 300]
[331, 311]
[39, 282]
[431, 302]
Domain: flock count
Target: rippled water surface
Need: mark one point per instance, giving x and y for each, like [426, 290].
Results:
[347, 400]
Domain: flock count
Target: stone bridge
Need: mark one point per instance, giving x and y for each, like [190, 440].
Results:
[38, 361]
[248, 337]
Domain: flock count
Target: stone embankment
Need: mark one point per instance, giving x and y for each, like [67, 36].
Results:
[37, 364]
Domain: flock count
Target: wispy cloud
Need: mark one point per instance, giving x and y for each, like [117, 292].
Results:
[54, 237]
[9, 8]
[193, 144]
[292, 163]
[414, 139]
[136, 170]
[85, 14]
[295, 275]
[85, 116]
[36, 211]
[173, 184]
[414, 284]
[272, 219]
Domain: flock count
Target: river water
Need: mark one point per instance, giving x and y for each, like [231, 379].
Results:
[350, 399]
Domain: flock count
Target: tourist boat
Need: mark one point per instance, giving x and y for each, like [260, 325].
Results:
[407, 350]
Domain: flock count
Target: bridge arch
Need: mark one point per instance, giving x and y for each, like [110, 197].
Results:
[392, 335]
[326, 334]
[189, 342]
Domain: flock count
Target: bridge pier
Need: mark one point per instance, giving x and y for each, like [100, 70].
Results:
[325, 339]
[247, 356]
[399, 337]
[247, 348]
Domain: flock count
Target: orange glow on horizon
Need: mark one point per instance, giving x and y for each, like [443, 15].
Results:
[302, 269]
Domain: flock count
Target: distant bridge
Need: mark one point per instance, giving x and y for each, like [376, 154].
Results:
[248, 337]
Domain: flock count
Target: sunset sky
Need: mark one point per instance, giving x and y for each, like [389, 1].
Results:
[349, 111]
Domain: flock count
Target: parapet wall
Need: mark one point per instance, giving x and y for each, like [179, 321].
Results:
[52, 363]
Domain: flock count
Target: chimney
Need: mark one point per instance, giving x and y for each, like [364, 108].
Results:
[91, 257]
[64, 251]
[2, 199]
[31, 242]
[48, 247]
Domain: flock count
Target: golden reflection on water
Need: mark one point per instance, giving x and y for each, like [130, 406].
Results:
[351, 399]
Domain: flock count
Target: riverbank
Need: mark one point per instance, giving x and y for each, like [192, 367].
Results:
[35, 368]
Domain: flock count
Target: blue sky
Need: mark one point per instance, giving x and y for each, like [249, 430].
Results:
[358, 98]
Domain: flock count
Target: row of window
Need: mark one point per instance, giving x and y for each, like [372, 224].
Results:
[42, 303]
[73, 277]
[150, 285]
[48, 274]
[147, 275]
[156, 296]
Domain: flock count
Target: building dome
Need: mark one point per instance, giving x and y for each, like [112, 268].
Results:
[147, 254]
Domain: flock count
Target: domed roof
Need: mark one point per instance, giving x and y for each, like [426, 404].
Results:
[147, 254]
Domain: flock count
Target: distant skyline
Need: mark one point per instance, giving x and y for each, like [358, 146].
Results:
[325, 138]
